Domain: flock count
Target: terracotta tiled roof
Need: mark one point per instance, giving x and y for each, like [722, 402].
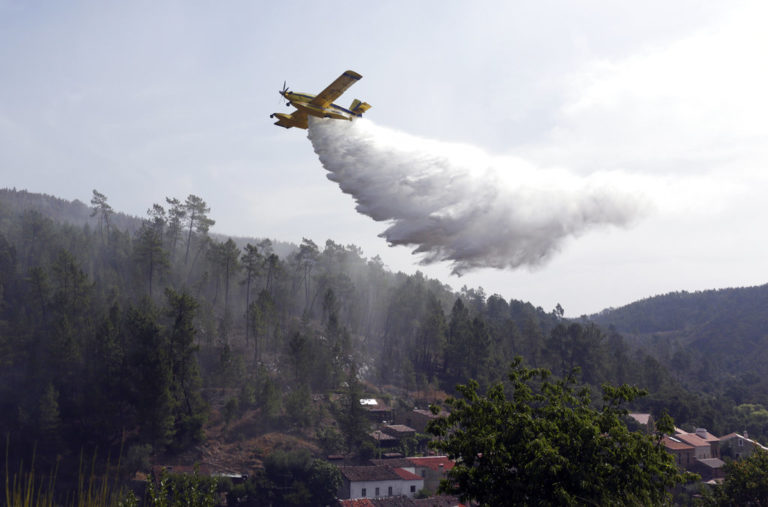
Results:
[704, 434]
[406, 475]
[393, 501]
[674, 444]
[356, 502]
[691, 439]
[432, 462]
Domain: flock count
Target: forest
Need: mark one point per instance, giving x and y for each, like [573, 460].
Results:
[134, 337]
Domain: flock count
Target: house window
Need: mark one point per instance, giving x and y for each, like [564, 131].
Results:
[389, 493]
[741, 443]
[363, 493]
[423, 473]
[377, 493]
[413, 489]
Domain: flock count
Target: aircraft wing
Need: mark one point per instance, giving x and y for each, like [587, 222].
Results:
[296, 119]
[335, 89]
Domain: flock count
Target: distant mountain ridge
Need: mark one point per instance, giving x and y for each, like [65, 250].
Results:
[680, 310]
[727, 327]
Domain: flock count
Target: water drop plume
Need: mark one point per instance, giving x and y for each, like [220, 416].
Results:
[456, 203]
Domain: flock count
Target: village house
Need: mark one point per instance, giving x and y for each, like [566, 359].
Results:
[681, 451]
[419, 418]
[430, 468]
[737, 446]
[709, 469]
[378, 482]
[697, 452]
[378, 412]
[403, 501]
[399, 431]
[712, 440]
[701, 448]
[645, 421]
[383, 440]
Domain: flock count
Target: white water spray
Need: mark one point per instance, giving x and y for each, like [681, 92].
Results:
[455, 203]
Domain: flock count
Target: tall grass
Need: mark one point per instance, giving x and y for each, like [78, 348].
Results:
[24, 488]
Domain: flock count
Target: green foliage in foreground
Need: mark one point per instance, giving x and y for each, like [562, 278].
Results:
[289, 478]
[178, 490]
[545, 444]
[746, 482]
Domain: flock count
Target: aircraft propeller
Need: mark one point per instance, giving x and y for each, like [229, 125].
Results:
[284, 91]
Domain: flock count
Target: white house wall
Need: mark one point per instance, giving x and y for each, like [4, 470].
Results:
[399, 488]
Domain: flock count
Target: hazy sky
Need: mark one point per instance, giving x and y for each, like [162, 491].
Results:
[143, 100]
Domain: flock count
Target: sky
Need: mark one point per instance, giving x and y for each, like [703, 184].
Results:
[143, 100]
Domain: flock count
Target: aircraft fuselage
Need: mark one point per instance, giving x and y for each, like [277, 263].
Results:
[302, 102]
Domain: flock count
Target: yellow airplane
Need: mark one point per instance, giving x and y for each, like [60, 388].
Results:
[320, 105]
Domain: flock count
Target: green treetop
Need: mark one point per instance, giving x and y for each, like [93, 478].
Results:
[545, 444]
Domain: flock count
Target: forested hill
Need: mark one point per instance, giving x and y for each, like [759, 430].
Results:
[714, 340]
[743, 308]
[152, 334]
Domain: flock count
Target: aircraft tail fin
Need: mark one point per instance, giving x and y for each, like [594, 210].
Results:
[358, 107]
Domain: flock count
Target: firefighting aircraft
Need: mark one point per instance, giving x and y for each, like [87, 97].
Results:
[320, 105]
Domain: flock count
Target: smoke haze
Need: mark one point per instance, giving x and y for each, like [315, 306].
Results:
[455, 203]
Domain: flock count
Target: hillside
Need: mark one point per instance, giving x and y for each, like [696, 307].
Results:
[79, 214]
[728, 324]
[159, 337]
[715, 342]
[679, 311]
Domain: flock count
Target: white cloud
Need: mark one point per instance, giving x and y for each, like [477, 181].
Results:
[692, 105]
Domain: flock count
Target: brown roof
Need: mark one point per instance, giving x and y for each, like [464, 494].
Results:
[712, 462]
[691, 439]
[674, 444]
[395, 462]
[400, 428]
[369, 473]
[703, 433]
